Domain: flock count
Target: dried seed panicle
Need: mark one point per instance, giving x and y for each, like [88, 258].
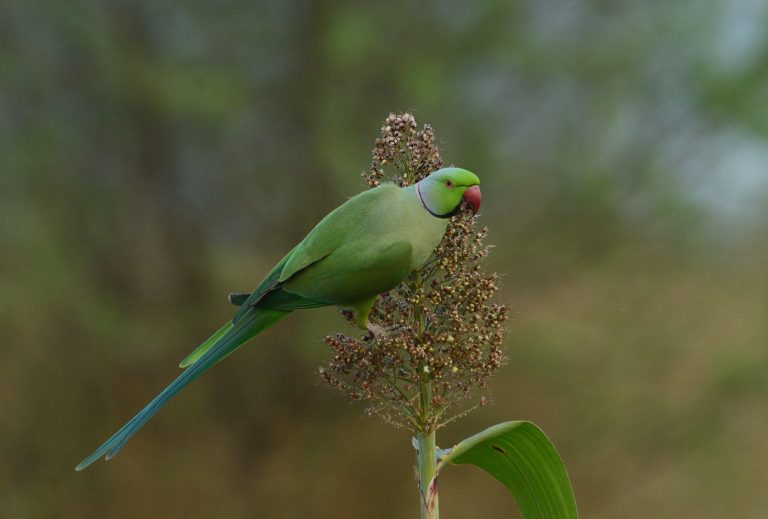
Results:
[411, 151]
[446, 330]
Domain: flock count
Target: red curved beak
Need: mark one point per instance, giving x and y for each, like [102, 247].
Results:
[473, 197]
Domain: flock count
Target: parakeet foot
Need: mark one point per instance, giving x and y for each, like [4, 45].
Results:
[378, 331]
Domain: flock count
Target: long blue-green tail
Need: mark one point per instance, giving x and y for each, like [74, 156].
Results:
[222, 343]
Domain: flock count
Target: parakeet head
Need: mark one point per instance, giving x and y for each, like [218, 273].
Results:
[443, 192]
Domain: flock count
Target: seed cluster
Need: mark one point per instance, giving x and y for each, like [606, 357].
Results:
[444, 334]
[412, 152]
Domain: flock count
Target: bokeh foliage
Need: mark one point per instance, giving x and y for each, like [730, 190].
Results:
[156, 155]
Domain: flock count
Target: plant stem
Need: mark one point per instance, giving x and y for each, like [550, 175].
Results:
[425, 436]
[427, 467]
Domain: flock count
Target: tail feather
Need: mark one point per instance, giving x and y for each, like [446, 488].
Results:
[207, 345]
[225, 344]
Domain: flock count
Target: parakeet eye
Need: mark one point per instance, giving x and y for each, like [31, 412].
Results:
[449, 184]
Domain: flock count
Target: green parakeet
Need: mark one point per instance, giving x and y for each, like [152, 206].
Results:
[366, 246]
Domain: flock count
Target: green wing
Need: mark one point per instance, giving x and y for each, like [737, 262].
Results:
[356, 271]
[269, 283]
[347, 241]
[358, 220]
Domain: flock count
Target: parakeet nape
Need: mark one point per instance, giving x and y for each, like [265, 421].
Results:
[366, 246]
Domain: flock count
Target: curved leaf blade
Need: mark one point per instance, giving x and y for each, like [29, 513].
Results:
[521, 457]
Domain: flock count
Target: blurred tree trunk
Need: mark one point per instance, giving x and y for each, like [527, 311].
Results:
[166, 256]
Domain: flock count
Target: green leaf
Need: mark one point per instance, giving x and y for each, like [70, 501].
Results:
[522, 458]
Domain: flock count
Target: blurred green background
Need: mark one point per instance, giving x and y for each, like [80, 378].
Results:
[155, 156]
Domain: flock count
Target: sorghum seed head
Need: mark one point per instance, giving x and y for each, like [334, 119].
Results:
[446, 330]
